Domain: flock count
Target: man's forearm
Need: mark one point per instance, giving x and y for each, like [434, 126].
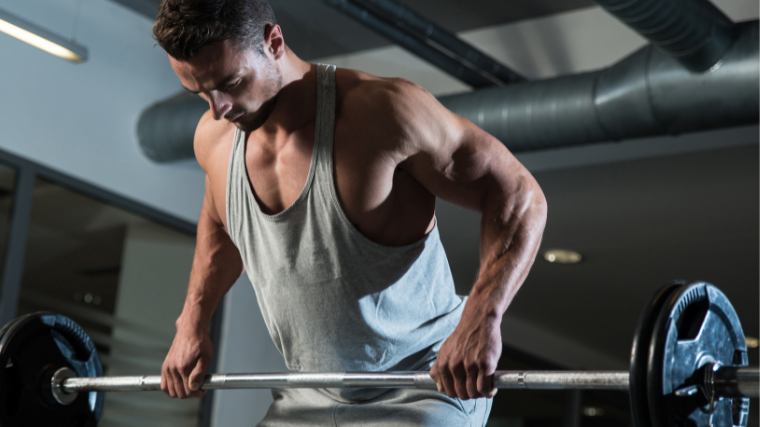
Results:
[216, 267]
[511, 228]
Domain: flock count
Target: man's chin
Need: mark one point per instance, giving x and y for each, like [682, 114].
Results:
[253, 121]
[249, 125]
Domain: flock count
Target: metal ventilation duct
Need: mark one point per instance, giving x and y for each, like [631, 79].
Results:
[166, 129]
[694, 32]
[648, 93]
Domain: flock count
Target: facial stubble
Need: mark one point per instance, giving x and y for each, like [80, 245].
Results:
[272, 90]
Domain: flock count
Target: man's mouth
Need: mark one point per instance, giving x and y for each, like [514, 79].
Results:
[236, 118]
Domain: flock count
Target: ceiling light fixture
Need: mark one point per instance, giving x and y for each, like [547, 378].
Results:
[752, 342]
[562, 256]
[590, 411]
[41, 38]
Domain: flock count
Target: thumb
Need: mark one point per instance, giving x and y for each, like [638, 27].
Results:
[198, 374]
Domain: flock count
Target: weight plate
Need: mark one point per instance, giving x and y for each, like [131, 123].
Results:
[31, 350]
[696, 326]
[640, 356]
[8, 325]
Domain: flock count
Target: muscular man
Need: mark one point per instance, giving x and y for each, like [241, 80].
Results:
[321, 185]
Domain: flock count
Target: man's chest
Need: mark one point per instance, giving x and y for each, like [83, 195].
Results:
[383, 201]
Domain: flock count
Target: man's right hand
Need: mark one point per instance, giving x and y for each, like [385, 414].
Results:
[185, 366]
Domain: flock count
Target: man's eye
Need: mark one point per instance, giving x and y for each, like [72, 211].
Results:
[232, 85]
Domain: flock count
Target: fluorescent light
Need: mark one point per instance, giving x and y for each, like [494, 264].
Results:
[41, 38]
[562, 256]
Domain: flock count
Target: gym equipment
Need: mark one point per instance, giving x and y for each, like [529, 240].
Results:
[688, 367]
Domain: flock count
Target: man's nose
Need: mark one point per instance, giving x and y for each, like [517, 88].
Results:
[219, 106]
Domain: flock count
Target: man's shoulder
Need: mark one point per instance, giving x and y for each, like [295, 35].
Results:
[396, 112]
[212, 139]
[380, 105]
[358, 89]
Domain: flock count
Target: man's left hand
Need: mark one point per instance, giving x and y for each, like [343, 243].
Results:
[467, 360]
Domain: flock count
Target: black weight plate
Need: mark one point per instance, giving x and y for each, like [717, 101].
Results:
[640, 356]
[8, 325]
[32, 348]
[697, 326]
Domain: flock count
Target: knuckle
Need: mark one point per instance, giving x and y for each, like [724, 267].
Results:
[454, 366]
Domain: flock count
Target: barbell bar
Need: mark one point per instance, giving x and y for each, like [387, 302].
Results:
[729, 381]
[688, 367]
[534, 380]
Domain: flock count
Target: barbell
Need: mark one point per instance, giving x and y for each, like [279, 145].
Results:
[688, 367]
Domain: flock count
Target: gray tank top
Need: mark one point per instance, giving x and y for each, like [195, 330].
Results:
[332, 299]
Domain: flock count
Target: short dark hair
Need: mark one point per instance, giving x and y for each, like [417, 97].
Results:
[184, 27]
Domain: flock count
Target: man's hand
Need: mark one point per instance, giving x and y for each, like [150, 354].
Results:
[185, 366]
[467, 360]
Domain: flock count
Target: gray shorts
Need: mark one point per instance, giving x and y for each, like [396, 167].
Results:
[396, 407]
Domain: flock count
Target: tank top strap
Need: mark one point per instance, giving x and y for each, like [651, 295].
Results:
[325, 124]
[236, 177]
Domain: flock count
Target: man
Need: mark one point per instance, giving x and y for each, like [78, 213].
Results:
[321, 185]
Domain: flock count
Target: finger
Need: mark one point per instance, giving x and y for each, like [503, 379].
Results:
[166, 382]
[447, 383]
[167, 376]
[197, 376]
[485, 385]
[460, 381]
[472, 383]
[179, 383]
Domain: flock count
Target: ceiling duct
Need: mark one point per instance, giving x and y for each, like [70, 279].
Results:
[648, 93]
[166, 129]
[652, 92]
[694, 32]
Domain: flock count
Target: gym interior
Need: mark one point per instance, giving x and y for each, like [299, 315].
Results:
[100, 191]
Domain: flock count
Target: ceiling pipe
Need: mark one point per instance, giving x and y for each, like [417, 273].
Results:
[434, 35]
[646, 94]
[695, 32]
[428, 41]
[166, 129]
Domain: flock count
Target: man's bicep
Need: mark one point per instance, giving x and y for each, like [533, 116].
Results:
[209, 207]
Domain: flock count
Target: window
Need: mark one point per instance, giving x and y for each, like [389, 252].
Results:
[117, 268]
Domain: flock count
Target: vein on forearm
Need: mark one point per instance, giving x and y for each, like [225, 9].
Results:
[513, 219]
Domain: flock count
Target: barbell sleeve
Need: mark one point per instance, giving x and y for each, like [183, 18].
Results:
[732, 381]
[744, 379]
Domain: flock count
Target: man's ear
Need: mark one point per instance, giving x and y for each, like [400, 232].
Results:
[274, 43]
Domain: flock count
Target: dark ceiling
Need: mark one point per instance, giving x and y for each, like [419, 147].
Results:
[314, 29]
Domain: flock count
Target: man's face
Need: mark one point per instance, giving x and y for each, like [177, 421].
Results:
[240, 85]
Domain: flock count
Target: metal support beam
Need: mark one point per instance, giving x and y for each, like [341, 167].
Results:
[434, 35]
[573, 408]
[446, 57]
[13, 267]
